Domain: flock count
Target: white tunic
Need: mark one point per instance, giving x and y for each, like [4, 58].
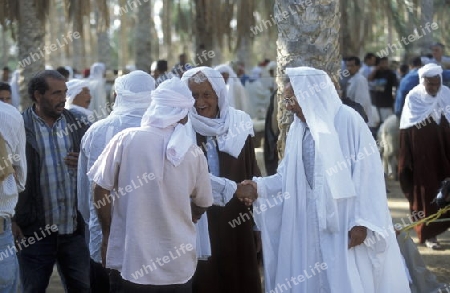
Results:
[152, 238]
[299, 255]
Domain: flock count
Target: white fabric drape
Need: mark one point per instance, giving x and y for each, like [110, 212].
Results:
[171, 102]
[232, 128]
[287, 206]
[419, 105]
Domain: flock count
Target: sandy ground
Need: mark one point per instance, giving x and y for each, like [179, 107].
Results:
[437, 261]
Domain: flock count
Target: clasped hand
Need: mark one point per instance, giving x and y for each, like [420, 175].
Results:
[247, 192]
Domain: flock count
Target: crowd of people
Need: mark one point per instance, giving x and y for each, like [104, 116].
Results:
[156, 188]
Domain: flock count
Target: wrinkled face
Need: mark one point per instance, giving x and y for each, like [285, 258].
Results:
[206, 100]
[225, 76]
[351, 67]
[291, 102]
[83, 99]
[432, 85]
[5, 97]
[51, 103]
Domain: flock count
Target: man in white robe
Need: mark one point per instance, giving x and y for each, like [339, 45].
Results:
[237, 96]
[148, 229]
[132, 98]
[324, 217]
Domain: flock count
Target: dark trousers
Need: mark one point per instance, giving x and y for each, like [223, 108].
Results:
[119, 285]
[70, 254]
[99, 278]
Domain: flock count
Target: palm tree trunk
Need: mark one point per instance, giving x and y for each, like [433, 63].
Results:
[79, 61]
[308, 36]
[123, 48]
[426, 16]
[143, 37]
[31, 33]
[204, 30]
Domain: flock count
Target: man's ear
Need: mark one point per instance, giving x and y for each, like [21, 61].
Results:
[37, 96]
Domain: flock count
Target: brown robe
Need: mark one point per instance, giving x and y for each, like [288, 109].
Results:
[424, 161]
[233, 266]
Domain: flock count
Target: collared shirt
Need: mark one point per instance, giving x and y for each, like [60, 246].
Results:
[13, 133]
[58, 181]
[152, 238]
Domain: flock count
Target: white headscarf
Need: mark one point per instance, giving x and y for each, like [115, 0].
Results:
[320, 103]
[133, 92]
[97, 70]
[419, 105]
[74, 88]
[233, 126]
[171, 102]
[232, 77]
[70, 69]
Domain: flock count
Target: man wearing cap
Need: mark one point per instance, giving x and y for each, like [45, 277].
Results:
[155, 171]
[425, 148]
[333, 231]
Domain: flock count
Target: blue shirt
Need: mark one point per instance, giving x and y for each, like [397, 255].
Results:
[58, 181]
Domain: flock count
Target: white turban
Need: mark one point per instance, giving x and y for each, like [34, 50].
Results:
[317, 96]
[97, 70]
[133, 92]
[232, 78]
[74, 87]
[430, 70]
[420, 106]
[233, 127]
[171, 102]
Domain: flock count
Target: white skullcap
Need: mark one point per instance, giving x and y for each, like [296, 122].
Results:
[133, 91]
[74, 87]
[430, 70]
[171, 102]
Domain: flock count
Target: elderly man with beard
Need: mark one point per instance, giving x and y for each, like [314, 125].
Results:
[132, 98]
[333, 232]
[53, 138]
[425, 148]
[225, 135]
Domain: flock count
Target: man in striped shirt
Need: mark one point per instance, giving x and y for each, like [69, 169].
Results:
[50, 227]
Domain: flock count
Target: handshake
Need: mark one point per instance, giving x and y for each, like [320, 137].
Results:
[246, 192]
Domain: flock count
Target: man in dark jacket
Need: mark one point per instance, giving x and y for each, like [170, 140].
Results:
[47, 226]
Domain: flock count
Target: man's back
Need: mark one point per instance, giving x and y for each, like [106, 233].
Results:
[152, 202]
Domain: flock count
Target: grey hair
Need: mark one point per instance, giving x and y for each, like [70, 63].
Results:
[199, 77]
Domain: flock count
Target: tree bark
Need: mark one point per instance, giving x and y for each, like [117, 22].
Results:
[31, 31]
[142, 37]
[308, 36]
[204, 31]
[426, 16]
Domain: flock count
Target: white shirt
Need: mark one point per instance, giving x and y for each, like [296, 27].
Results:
[358, 91]
[151, 213]
[92, 145]
[13, 132]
